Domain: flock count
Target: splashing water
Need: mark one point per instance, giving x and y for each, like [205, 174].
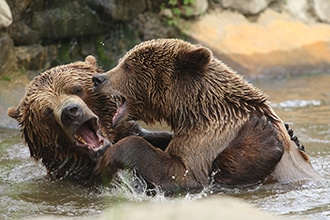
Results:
[303, 102]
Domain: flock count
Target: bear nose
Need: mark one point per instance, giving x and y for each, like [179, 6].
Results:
[98, 80]
[71, 114]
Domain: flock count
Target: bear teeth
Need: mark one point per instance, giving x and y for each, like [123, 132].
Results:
[81, 140]
[101, 143]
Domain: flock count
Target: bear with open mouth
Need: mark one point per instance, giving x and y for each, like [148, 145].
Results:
[68, 126]
[225, 132]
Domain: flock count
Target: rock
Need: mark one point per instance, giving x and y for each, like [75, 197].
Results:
[7, 57]
[198, 7]
[13, 62]
[35, 57]
[6, 17]
[148, 25]
[68, 20]
[299, 9]
[11, 92]
[22, 34]
[166, 12]
[119, 10]
[250, 7]
[19, 31]
[219, 207]
[177, 10]
[322, 9]
[19, 8]
[276, 44]
[12, 82]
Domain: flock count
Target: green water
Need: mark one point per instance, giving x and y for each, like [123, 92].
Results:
[303, 102]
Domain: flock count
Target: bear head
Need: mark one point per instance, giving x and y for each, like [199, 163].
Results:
[59, 117]
[156, 80]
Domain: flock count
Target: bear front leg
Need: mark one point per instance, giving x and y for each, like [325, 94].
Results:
[158, 139]
[152, 164]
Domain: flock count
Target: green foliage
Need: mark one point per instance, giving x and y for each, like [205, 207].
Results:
[5, 78]
[64, 53]
[103, 56]
[178, 8]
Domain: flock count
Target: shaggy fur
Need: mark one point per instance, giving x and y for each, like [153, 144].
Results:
[223, 126]
[59, 109]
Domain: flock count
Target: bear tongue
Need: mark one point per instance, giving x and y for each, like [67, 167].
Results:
[88, 137]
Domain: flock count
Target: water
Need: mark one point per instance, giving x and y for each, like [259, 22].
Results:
[303, 102]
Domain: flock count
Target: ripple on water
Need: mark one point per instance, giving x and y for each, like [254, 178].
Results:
[297, 103]
[303, 102]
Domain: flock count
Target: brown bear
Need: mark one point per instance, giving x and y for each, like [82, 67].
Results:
[63, 121]
[225, 131]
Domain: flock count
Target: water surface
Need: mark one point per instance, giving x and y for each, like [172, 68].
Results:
[303, 102]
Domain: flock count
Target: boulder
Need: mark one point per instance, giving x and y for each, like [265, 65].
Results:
[148, 25]
[276, 44]
[62, 19]
[7, 57]
[217, 207]
[11, 92]
[299, 9]
[118, 9]
[322, 10]
[35, 57]
[12, 82]
[6, 17]
[19, 31]
[66, 20]
[250, 7]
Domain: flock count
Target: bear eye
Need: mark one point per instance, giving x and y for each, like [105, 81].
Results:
[48, 112]
[77, 90]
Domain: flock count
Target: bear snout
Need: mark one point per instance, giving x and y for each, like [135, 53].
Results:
[72, 114]
[98, 80]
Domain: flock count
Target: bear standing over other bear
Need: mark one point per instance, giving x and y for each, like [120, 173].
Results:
[225, 131]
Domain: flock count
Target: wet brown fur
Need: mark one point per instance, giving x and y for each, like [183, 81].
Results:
[39, 111]
[224, 128]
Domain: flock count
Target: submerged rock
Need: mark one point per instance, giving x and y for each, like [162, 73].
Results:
[220, 207]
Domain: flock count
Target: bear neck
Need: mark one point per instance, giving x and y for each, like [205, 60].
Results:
[69, 168]
[213, 98]
[67, 163]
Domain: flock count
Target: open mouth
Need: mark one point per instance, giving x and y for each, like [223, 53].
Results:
[88, 136]
[121, 109]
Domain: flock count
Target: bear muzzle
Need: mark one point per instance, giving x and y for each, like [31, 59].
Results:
[81, 125]
[71, 114]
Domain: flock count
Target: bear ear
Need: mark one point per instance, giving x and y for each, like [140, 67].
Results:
[14, 113]
[91, 60]
[195, 59]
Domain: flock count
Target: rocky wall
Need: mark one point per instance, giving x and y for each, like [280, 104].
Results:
[256, 37]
